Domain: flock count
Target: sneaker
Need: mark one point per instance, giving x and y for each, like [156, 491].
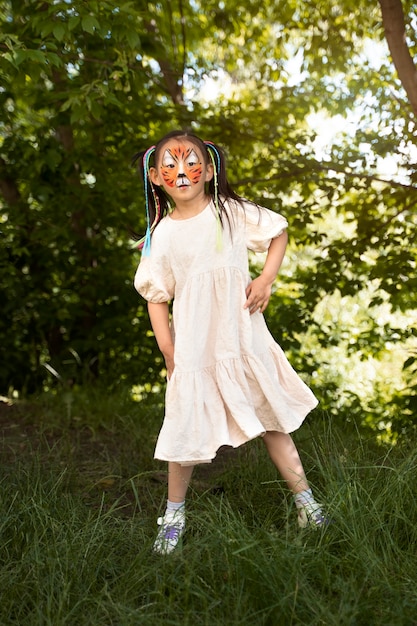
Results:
[172, 528]
[311, 515]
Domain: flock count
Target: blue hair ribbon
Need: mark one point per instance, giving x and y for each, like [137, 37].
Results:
[146, 249]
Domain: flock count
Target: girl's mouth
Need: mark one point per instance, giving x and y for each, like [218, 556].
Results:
[183, 182]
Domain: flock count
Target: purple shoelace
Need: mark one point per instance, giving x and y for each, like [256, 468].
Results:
[171, 532]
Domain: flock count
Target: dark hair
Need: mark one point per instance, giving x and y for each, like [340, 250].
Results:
[158, 202]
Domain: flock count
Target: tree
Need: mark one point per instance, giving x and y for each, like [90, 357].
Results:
[67, 103]
[85, 85]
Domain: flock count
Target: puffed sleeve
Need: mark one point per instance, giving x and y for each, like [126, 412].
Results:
[154, 279]
[261, 226]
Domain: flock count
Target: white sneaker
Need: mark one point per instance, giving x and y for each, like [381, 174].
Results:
[311, 515]
[172, 528]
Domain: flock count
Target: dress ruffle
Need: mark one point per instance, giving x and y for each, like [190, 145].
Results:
[231, 403]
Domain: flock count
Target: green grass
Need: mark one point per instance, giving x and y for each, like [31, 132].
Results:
[80, 494]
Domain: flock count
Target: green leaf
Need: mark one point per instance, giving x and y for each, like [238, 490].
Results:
[54, 59]
[133, 39]
[73, 22]
[19, 56]
[90, 24]
[11, 57]
[37, 55]
[409, 362]
[59, 31]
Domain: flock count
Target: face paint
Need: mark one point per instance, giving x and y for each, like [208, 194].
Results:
[181, 166]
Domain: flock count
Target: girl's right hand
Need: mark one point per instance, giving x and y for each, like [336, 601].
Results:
[170, 366]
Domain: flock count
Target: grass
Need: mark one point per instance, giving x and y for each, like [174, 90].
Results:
[80, 494]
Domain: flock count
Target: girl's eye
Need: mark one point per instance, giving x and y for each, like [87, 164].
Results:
[191, 163]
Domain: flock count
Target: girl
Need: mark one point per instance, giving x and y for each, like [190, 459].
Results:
[228, 380]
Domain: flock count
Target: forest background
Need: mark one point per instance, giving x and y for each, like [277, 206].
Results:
[315, 105]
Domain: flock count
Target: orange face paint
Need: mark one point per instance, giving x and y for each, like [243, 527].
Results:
[181, 166]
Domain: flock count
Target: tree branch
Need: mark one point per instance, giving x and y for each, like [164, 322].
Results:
[394, 26]
[171, 77]
[320, 167]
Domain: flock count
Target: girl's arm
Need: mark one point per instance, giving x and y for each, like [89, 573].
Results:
[159, 316]
[258, 291]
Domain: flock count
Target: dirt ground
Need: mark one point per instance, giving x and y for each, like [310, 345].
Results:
[100, 466]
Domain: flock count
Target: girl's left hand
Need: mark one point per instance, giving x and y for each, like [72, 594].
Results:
[258, 293]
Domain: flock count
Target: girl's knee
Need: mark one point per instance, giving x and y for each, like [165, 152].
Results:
[274, 436]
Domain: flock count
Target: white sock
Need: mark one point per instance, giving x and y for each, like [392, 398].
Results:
[305, 499]
[174, 506]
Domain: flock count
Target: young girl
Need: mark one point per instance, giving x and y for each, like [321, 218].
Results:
[228, 380]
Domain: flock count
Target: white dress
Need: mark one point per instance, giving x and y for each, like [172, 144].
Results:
[232, 381]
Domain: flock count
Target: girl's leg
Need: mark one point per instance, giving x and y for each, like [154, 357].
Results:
[286, 459]
[179, 477]
[172, 524]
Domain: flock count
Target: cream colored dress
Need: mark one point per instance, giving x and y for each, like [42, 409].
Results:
[231, 382]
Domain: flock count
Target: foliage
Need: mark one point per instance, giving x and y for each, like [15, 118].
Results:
[85, 85]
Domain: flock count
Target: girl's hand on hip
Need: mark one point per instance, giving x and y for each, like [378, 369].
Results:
[258, 293]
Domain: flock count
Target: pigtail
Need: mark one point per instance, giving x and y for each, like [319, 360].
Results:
[215, 158]
[151, 200]
[220, 189]
[224, 189]
[156, 201]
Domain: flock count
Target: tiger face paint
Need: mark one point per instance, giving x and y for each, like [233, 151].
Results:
[181, 166]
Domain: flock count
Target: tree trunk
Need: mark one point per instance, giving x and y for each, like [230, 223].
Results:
[394, 26]
[8, 186]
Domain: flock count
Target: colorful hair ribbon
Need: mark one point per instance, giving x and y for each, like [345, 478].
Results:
[146, 245]
[216, 161]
